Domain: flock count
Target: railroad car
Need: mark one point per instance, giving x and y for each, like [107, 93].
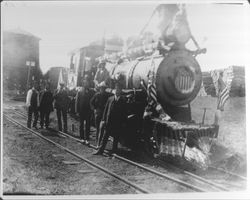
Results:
[21, 65]
[83, 61]
[52, 76]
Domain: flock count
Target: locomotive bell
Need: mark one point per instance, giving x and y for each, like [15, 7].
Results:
[178, 78]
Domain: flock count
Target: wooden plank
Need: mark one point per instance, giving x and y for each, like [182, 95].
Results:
[185, 144]
[57, 155]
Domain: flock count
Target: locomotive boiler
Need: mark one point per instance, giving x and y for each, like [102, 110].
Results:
[177, 76]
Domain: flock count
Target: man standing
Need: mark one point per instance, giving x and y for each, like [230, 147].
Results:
[82, 107]
[101, 75]
[98, 103]
[46, 106]
[32, 102]
[61, 106]
[114, 117]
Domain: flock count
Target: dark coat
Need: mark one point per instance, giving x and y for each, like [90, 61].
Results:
[46, 101]
[99, 101]
[62, 99]
[115, 114]
[82, 104]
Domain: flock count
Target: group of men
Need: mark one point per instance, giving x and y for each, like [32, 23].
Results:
[39, 102]
[109, 109]
[42, 102]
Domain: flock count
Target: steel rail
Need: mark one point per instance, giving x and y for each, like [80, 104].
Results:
[198, 189]
[215, 185]
[206, 181]
[195, 188]
[228, 172]
[142, 190]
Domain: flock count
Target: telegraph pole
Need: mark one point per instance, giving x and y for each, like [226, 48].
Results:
[29, 64]
[28, 78]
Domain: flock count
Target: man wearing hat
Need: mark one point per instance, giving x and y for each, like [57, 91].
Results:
[114, 118]
[82, 107]
[46, 105]
[32, 102]
[101, 75]
[98, 103]
[61, 105]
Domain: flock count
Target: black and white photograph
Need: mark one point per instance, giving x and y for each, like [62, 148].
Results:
[124, 99]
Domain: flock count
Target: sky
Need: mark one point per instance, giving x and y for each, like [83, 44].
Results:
[64, 26]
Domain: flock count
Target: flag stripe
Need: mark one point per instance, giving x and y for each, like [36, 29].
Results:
[223, 95]
[225, 90]
[152, 96]
[223, 101]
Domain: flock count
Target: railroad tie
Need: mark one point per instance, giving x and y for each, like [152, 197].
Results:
[71, 162]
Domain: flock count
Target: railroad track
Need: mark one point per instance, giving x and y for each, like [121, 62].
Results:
[135, 186]
[228, 172]
[140, 189]
[214, 186]
[172, 166]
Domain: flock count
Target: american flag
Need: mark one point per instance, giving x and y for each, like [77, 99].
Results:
[222, 81]
[151, 92]
[223, 94]
[152, 98]
[151, 88]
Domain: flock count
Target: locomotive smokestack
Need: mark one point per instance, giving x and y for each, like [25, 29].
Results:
[173, 24]
[166, 13]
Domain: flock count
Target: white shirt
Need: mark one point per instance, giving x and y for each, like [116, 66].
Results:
[117, 98]
[28, 97]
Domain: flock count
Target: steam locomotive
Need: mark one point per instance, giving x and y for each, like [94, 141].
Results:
[178, 80]
[177, 77]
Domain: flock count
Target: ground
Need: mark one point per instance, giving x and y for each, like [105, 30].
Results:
[34, 166]
[31, 165]
[231, 144]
